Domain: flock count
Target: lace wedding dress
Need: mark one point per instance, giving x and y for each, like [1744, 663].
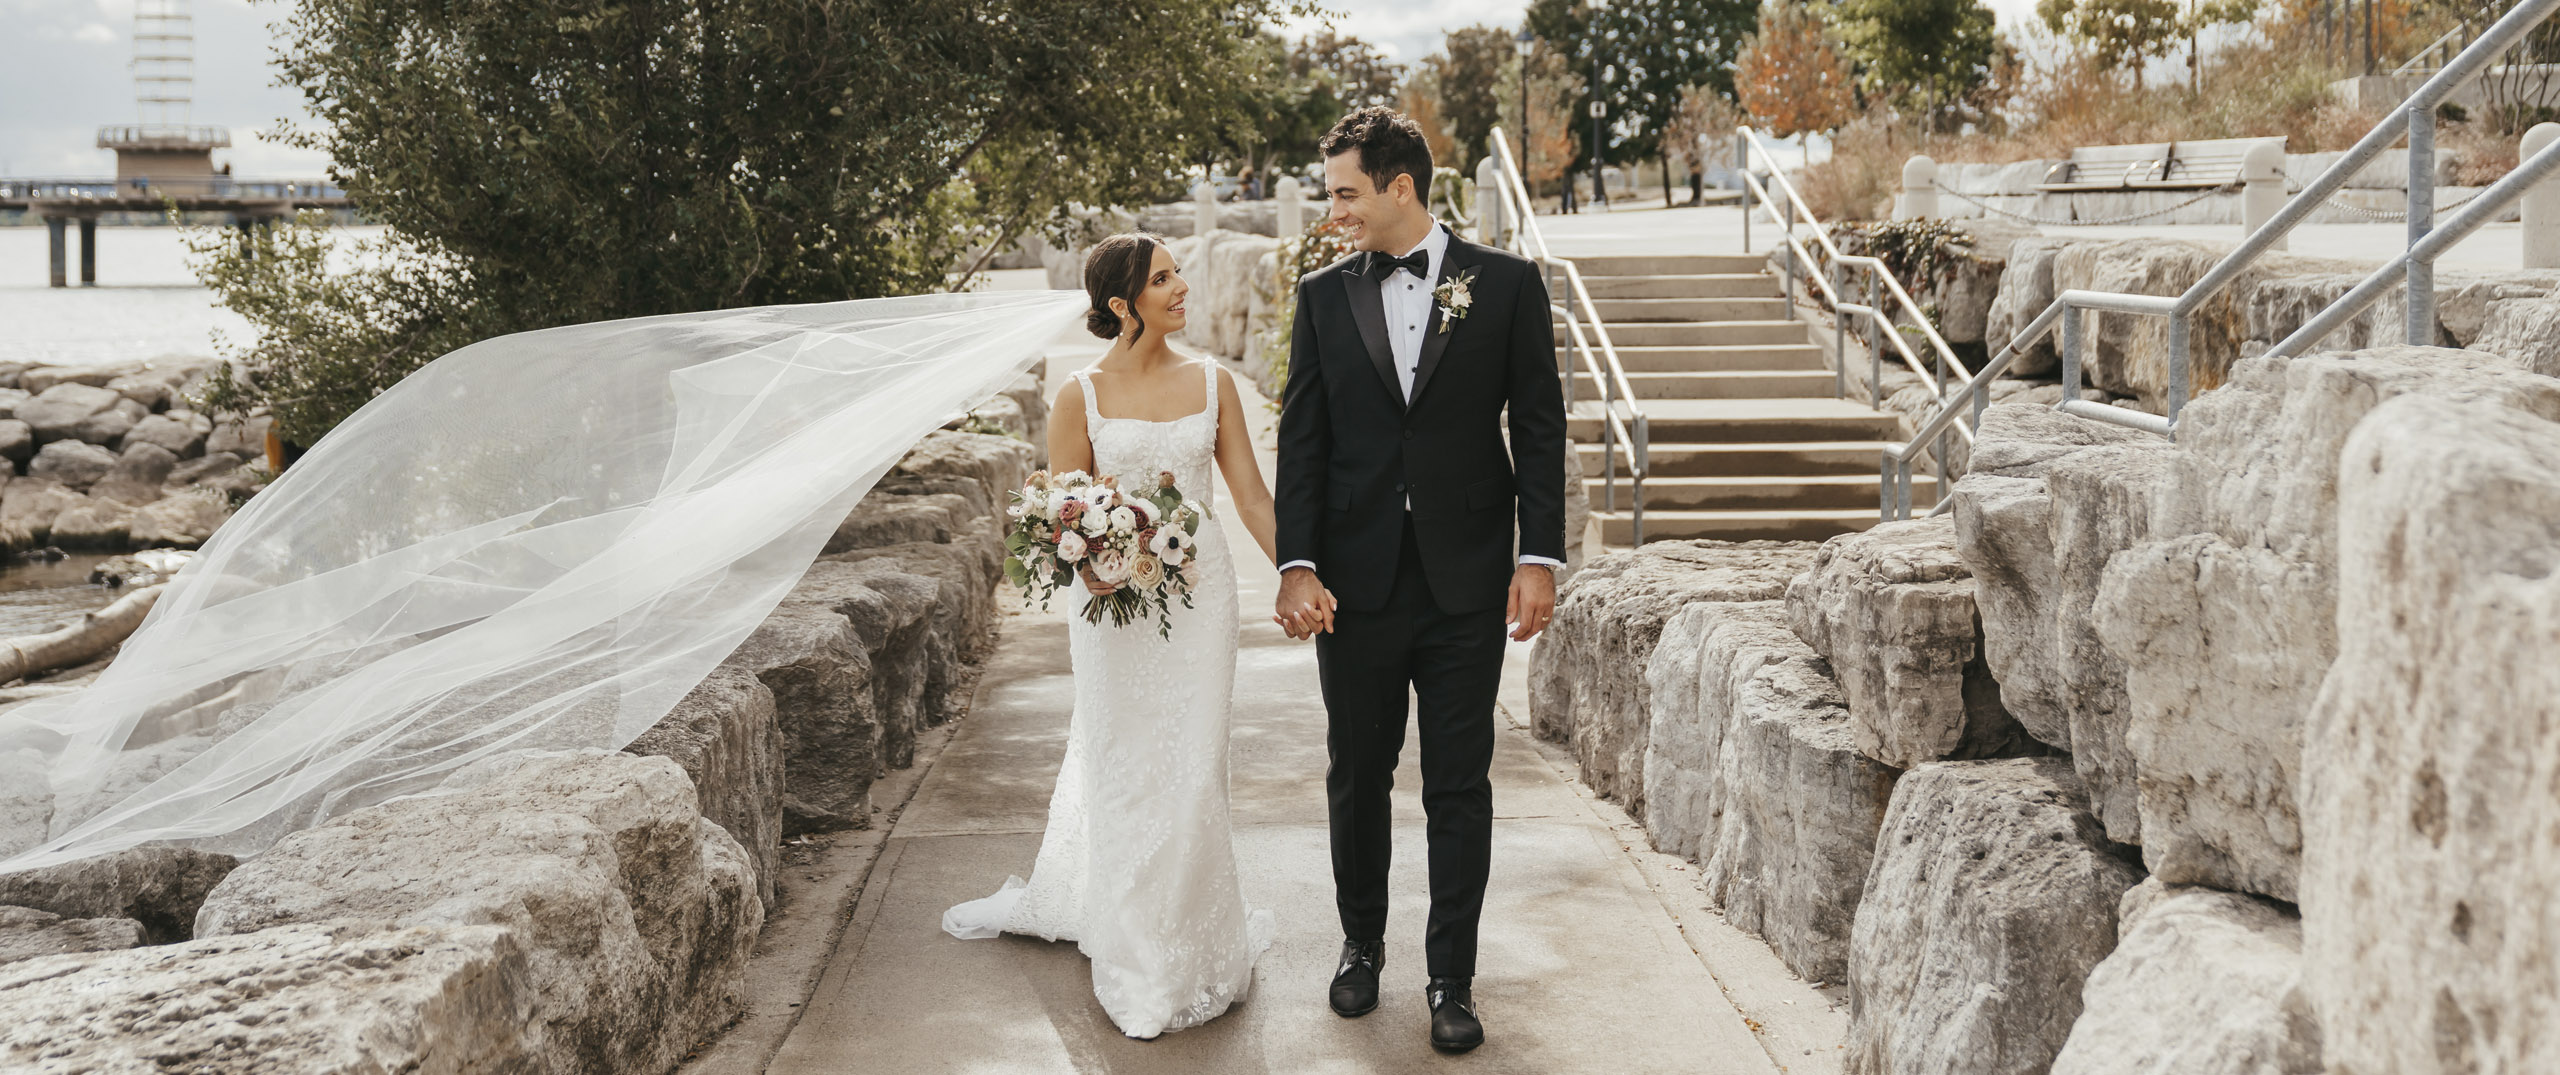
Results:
[1137, 866]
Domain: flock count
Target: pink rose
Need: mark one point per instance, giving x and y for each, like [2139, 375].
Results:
[1071, 546]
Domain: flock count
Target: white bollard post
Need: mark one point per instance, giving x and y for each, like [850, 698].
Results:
[1204, 214]
[1919, 199]
[1492, 228]
[2541, 205]
[1291, 210]
[2262, 189]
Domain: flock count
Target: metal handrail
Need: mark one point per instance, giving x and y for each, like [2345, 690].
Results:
[1889, 324]
[2415, 266]
[1623, 427]
[2433, 48]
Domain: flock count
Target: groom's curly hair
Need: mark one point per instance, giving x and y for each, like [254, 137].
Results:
[1389, 143]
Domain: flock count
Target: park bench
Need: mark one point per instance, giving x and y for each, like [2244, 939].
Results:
[2200, 164]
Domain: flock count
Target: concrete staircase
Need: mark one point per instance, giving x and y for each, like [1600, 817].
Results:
[1747, 441]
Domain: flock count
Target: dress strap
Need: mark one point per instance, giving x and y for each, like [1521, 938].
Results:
[1092, 407]
[1212, 368]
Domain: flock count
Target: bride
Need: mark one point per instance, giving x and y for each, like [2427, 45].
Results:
[1137, 865]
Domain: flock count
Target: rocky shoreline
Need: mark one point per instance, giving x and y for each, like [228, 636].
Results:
[577, 912]
[110, 458]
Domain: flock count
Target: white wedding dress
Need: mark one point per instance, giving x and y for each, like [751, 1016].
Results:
[1137, 865]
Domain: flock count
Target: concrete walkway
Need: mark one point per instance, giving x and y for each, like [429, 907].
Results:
[1598, 955]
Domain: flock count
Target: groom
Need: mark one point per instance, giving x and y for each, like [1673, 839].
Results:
[1397, 494]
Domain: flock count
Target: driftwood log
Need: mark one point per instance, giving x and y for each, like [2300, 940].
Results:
[77, 641]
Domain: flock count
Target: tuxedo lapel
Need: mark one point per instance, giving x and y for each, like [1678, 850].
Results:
[1460, 258]
[1370, 313]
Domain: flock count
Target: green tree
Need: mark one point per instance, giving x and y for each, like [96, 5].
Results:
[1474, 66]
[1923, 54]
[1360, 75]
[573, 161]
[1645, 55]
[2119, 34]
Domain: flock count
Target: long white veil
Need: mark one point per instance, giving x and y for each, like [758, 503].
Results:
[542, 540]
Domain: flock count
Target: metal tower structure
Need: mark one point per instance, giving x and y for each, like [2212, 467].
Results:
[163, 144]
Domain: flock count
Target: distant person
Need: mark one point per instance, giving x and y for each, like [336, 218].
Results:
[1697, 181]
[1252, 188]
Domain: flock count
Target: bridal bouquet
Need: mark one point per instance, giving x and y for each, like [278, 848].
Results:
[1139, 541]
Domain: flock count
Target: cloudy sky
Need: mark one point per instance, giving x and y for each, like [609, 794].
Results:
[64, 72]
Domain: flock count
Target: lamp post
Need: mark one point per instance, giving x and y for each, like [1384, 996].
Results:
[1526, 41]
[1599, 108]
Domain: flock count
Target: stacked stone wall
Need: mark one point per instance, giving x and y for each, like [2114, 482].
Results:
[2231, 754]
[585, 912]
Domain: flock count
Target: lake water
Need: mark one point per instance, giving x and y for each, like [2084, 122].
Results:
[146, 303]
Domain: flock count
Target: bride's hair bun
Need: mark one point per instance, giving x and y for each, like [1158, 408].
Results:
[1116, 268]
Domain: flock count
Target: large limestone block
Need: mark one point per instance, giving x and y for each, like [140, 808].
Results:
[892, 614]
[340, 997]
[95, 523]
[71, 463]
[726, 737]
[1587, 674]
[2226, 619]
[1992, 895]
[635, 914]
[999, 464]
[182, 435]
[891, 517]
[1228, 286]
[1795, 807]
[108, 427]
[2026, 288]
[17, 442]
[1891, 609]
[2202, 982]
[26, 933]
[57, 412]
[137, 474]
[183, 520]
[820, 677]
[159, 887]
[2429, 757]
[246, 438]
[2050, 500]
[965, 607]
[2128, 354]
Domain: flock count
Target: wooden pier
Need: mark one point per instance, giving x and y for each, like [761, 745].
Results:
[60, 203]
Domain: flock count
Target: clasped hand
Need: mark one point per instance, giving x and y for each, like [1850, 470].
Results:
[1305, 607]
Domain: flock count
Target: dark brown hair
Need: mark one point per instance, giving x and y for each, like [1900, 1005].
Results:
[1389, 144]
[1117, 268]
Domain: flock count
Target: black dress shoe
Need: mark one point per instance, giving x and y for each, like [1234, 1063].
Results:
[1355, 983]
[1454, 1026]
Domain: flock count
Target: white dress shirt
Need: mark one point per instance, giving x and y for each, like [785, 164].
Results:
[1407, 302]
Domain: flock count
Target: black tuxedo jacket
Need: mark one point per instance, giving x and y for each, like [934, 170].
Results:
[1352, 449]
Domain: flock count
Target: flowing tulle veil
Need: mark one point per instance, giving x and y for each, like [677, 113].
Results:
[539, 541]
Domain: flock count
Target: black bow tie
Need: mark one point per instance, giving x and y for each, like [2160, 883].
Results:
[1384, 264]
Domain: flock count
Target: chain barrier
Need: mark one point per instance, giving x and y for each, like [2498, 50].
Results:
[2394, 216]
[2104, 222]
[2379, 216]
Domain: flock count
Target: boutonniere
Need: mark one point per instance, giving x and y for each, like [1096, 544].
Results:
[1454, 298]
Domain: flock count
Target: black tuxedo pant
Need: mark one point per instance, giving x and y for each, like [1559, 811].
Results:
[1453, 664]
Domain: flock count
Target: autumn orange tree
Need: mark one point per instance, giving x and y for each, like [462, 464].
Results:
[1789, 77]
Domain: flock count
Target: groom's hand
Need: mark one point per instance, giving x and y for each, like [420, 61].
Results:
[1304, 608]
[1533, 600]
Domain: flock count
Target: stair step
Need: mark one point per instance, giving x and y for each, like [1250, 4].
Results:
[1715, 384]
[1751, 285]
[1795, 492]
[1670, 459]
[1618, 528]
[1668, 264]
[1769, 358]
[1697, 333]
[1654, 311]
[1748, 421]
